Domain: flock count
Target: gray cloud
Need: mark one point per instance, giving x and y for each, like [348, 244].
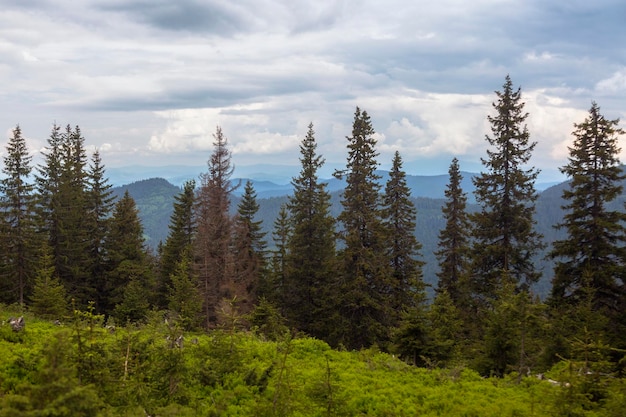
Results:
[153, 78]
[217, 17]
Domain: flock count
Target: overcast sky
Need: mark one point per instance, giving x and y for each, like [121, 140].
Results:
[148, 81]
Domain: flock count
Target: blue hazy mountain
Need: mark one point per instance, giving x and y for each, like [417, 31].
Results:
[275, 180]
[154, 188]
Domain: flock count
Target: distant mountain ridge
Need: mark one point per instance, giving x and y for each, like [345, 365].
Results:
[275, 179]
[155, 198]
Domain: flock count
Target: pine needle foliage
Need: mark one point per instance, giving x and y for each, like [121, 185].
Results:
[503, 232]
[365, 272]
[309, 293]
[595, 232]
[454, 240]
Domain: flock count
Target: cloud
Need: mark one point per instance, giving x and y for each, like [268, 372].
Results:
[218, 17]
[151, 80]
[534, 56]
[419, 125]
[191, 130]
[615, 84]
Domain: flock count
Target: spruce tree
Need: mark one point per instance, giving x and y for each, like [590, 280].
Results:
[49, 298]
[453, 246]
[446, 330]
[100, 202]
[17, 209]
[272, 288]
[249, 251]
[514, 337]
[129, 277]
[365, 273]
[504, 239]
[73, 263]
[212, 244]
[179, 239]
[402, 248]
[309, 271]
[62, 184]
[594, 249]
[48, 180]
[184, 296]
[411, 338]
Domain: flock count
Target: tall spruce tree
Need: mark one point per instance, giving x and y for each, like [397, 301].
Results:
[403, 247]
[17, 207]
[453, 246]
[504, 239]
[214, 263]
[272, 288]
[100, 202]
[249, 251]
[309, 271]
[593, 256]
[62, 183]
[129, 277]
[365, 273]
[74, 263]
[48, 181]
[179, 240]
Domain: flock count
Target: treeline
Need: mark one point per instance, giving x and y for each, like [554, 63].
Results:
[353, 280]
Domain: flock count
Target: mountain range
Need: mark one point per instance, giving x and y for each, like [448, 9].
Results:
[155, 197]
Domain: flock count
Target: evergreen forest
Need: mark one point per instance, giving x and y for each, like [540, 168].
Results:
[325, 312]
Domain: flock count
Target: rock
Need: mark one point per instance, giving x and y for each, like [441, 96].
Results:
[17, 324]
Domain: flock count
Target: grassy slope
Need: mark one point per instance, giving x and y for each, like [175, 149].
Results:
[134, 371]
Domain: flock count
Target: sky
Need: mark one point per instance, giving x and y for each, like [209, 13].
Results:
[149, 81]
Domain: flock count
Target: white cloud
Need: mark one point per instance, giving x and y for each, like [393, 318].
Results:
[543, 56]
[615, 84]
[550, 123]
[187, 130]
[192, 130]
[150, 81]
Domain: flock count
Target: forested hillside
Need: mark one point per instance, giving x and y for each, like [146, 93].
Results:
[507, 283]
[155, 197]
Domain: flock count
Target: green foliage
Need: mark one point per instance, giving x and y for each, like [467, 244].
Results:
[453, 246]
[99, 206]
[134, 305]
[129, 278]
[266, 320]
[514, 334]
[504, 236]
[184, 298]
[18, 238]
[69, 205]
[368, 295]
[85, 369]
[179, 240]
[272, 287]
[249, 250]
[411, 337]
[592, 256]
[308, 291]
[446, 331]
[364, 268]
[49, 298]
[91, 354]
[402, 248]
